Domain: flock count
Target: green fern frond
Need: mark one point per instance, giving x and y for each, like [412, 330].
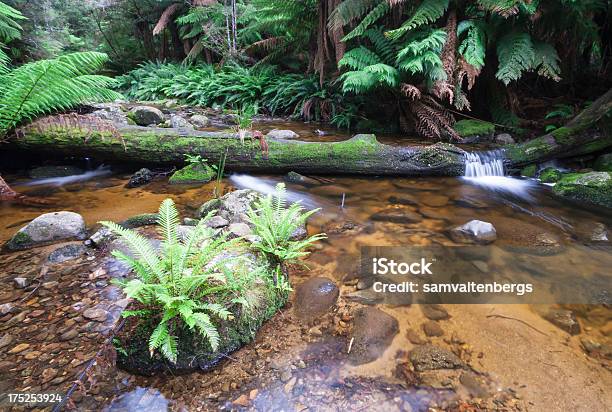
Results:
[168, 220]
[207, 329]
[350, 11]
[158, 336]
[473, 46]
[546, 61]
[386, 74]
[516, 55]
[383, 46]
[376, 13]
[169, 348]
[358, 58]
[428, 12]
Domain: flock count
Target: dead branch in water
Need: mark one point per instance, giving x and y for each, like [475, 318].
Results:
[518, 320]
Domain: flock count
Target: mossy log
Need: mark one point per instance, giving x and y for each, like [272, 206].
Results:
[362, 154]
[589, 132]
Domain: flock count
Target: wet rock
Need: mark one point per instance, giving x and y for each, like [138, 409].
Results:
[299, 233]
[21, 283]
[504, 138]
[430, 357]
[19, 348]
[414, 337]
[373, 332]
[474, 385]
[199, 120]
[193, 173]
[233, 206]
[65, 253]
[112, 112]
[403, 200]
[282, 134]
[474, 231]
[434, 200]
[471, 203]
[434, 312]
[216, 222]
[239, 230]
[550, 175]
[596, 349]
[433, 213]
[242, 400]
[6, 308]
[293, 177]
[592, 232]
[591, 187]
[190, 222]
[397, 216]
[315, 297]
[100, 238]
[6, 340]
[97, 314]
[564, 319]
[179, 122]
[144, 219]
[48, 374]
[140, 178]
[49, 228]
[285, 375]
[45, 172]
[432, 328]
[210, 206]
[69, 335]
[146, 115]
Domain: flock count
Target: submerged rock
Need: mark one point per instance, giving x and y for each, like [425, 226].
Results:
[315, 297]
[474, 231]
[293, 177]
[193, 173]
[144, 219]
[140, 178]
[394, 215]
[431, 357]
[146, 115]
[564, 319]
[434, 311]
[282, 134]
[374, 331]
[65, 253]
[591, 187]
[49, 228]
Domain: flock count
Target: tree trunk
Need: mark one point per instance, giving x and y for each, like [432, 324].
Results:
[589, 132]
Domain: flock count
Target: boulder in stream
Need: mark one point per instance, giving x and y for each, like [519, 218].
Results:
[374, 331]
[49, 228]
[591, 187]
[193, 173]
[140, 178]
[315, 297]
[282, 134]
[179, 122]
[199, 120]
[474, 231]
[146, 115]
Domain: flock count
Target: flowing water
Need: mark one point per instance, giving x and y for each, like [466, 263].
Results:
[293, 365]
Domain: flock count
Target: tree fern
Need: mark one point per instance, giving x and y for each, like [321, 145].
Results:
[546, 61]
[40, 87]
[376, 13]
[384, 47]
[358, 58]
[516, 55]
[350, 11]
[427, 12]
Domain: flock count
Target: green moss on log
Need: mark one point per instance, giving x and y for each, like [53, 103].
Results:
[529, 171]
[550, 175]
[193, 173]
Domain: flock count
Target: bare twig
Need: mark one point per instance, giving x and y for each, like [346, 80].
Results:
[518, 320]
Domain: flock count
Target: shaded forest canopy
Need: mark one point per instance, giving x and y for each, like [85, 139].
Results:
[425, 64]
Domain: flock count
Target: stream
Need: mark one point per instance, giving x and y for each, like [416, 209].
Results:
[518, 360]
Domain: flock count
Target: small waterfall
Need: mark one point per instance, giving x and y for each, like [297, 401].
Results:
[484, 164]
[66, 180]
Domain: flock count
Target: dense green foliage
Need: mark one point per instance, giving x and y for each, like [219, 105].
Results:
[40, 87]
[197, 279]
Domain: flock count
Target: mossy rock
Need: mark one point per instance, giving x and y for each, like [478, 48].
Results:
[194, 351]
[603, 163]
[529, 171]
[144, 219]
[591, 187]
[193, 173]
[470, 128]
[550, 175]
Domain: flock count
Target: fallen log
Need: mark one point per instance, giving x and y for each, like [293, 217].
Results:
[362, 154]
[589, 132]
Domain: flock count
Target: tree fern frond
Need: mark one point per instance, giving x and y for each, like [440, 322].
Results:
[375, 14]
[546, 61]
[383, 46]
[349, 11]
[473, 46]
[427, 12]
[386, 74]
[358, 58]
[516, 55]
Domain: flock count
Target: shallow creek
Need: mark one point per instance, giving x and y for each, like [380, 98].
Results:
[517, 359]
